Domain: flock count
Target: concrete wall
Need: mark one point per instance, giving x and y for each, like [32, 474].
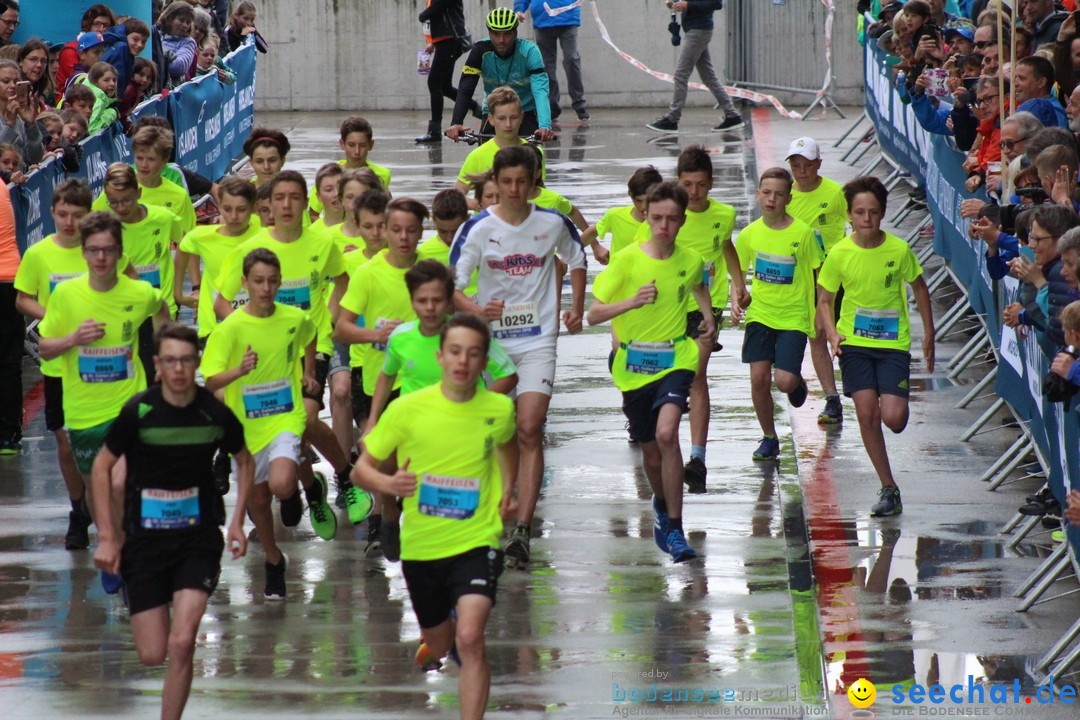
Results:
[356, 55]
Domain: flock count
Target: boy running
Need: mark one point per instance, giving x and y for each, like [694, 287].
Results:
[623, 223]
[214, 244]
[819, 202]
[45, 265]
[310, 266]
[646, 292]
[454, 442]
[873, 335]
[513, 244]
[171, 545]
[377, 302]
[262, 355]
[93, 324]
[784, 254]
[505, 118]
[357, 140]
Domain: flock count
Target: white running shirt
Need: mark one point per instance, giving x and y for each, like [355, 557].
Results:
[517, 265]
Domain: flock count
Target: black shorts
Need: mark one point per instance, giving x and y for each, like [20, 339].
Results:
[154, 567]
[361, 401]
[694, 318]
[146, 351]
[436, 585]
[322, 369]
[783, 348]
[887, 371]
[54, 403]
[642, 406]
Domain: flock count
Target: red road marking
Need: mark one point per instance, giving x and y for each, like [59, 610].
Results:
[33, 403]
[763, 139]
[831, 546]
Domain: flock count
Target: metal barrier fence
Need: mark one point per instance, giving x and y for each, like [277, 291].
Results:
[1017, 366]
[211, 120]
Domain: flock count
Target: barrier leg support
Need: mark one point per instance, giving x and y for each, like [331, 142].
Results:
[1010, 467]
[1030, 524]
[983, 419]
[949, 320]
[857, 123]
[867, 138]
[1067, 662]
[1051, 573]
[1017, 448]
[1059, 647]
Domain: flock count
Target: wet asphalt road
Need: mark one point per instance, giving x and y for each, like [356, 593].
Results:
[603, 612]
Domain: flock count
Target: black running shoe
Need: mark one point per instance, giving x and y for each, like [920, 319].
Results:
[292, 509]
[694, 476]
[222, 470]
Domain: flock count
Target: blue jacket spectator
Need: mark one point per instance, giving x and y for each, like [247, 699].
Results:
[541, 18]
[1033, 81]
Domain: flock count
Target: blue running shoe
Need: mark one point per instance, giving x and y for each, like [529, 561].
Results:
[659, 527]
[678, 547]
[769, 449]
[111, 583]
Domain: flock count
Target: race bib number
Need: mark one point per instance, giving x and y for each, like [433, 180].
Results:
[877, 324]
[170, 509]
[517, 321]
[240, 299]
[106, 364]
[449, 497]
[707, 274]
[380, 323]
[296, 293]
[57, 278]
[647, 358]
[775, 269]
[150, 273]
[266, 399]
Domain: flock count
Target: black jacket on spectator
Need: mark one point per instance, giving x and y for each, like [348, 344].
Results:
[698, 14]
[1048, 31]
[965, 127]
[1060, 294]
[233, 40]
[447, 18]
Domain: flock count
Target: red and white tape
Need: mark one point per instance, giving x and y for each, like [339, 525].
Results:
[555, 12]
[741, 93]
[829, 17]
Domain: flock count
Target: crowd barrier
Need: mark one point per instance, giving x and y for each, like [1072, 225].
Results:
[1051, 430]
[211, 120]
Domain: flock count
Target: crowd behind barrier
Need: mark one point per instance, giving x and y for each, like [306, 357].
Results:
[210, 120]
[1022, 365]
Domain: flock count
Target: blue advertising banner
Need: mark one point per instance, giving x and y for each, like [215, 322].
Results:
[211, 121]
[937, 164]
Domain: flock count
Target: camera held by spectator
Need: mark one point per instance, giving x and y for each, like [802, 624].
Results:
[1056, 388]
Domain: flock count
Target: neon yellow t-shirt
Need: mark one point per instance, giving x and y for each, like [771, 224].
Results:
[321, 226]
[823, 209]
[552, 201]
[380, 172]
[148, 244]
[268, 399]
[622, 226]
[378, 295]
[355, 259]
[482, 158]
[100, 377]
[45, 265]
[783, 279]
[206, 242]
[341, 240]
[435, 249]
[874, 312]
[705, 233]
[306, 265]
[652, 338]
[410, 354]
[452, 449]
[167, 195]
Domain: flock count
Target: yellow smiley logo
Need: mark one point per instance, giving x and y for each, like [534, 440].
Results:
[862, 693]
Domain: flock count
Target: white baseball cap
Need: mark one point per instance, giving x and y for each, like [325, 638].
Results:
[805, 146]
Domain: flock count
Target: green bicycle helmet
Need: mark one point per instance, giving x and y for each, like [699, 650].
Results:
[502, 19]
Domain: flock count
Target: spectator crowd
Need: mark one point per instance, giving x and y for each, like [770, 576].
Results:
[1004, 84]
